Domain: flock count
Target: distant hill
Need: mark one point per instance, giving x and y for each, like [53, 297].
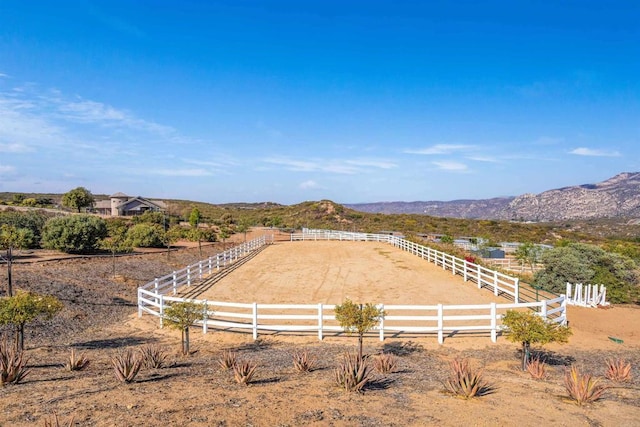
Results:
[617, 197]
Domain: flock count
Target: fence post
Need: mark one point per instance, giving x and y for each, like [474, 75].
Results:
[466, 269]
[155, 285]
[494, 322]
[564, 311]
[218, 262]
[320, 321]
[199, 270]
[139, 303]
[444, 266]
[440, 324]
[161, 311]
[479, 277]
[209, 266]
[544, 309]
[175, 280]
[453, 265]
[255, 321]
[495, 283]
[517, 291]
[381, 307]
[188, 275]
[205, 317]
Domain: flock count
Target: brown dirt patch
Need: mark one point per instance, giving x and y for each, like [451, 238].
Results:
[100, 318]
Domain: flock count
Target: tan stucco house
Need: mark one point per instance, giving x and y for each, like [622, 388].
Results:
[120, 204]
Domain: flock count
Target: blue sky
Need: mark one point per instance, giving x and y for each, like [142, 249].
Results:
[287, 101]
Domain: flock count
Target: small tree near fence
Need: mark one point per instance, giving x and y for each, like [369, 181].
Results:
[25, 307]
[182, 315]
[358, 318]
[528, 328]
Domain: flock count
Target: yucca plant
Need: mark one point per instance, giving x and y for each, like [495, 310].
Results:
[618, 370]
[537, 368]
[385, 363]
[55, 422]
[126, 365]
[243, 371]
[466, 382]
[228, 360]
[353, 374]
[303, 361]
[583, 388]
[153, 356]
[13, 365]
[76, 362]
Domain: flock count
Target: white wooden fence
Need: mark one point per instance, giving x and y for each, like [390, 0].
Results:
[196, 272]
[438, 319]
[587, 295]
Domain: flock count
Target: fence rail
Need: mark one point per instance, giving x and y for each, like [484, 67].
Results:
[155, 296]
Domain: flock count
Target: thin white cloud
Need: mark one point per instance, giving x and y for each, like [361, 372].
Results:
[442, 149]
[179, 172]
[487, 159]
[451, 166]
[337, 166]
[309, 185]
[3, 75]
[6, 169]
[14, 148]
[583, 151]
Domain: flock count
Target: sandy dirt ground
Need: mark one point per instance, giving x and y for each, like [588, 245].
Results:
[195, 391]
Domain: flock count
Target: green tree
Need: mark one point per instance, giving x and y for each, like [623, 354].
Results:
[145, 235]
[25, 307]
[589, 264]
[529, 254]
[194, 217]
[243, 226]
[117, 241]
[171, 236]
[78, 198]
[358, 318]
[224, 234]
[13, 238]
[528, 328]
[74, 233]
[32, 220]
[182, 315]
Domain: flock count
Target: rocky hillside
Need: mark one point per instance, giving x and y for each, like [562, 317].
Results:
[614, 198]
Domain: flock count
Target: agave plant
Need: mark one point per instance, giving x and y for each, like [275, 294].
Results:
[153, 356]
[353, 374]
[228, 360]
[126, 365]
[583, 388]
[385, 363]
[537, 368]
[13, 365]
[303, 361]
[618, 370]
[76, 362]
[243, 371]
[466, 382]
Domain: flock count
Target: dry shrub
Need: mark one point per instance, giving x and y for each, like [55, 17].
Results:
[13, 365]
[618, 370]
[353, 374]
[537, 368]
[464, 381]
[303, 361]
[583, 388]
[153, 356]
[126, 365]
[243, 371]
[76, 362]
[56, 422]
[228, 360]
[385, 363]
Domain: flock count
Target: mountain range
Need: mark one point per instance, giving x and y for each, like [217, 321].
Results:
[617, 197]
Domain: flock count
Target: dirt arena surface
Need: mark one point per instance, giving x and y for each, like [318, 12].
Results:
[195, 391]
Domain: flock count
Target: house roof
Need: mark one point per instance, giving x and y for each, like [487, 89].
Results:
[119, 195]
